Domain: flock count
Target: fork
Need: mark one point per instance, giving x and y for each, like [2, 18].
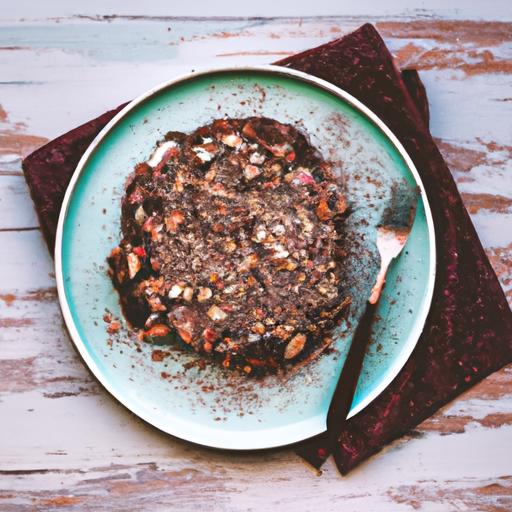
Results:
[392, 234]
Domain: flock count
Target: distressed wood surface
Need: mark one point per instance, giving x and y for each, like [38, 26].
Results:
[65, 444]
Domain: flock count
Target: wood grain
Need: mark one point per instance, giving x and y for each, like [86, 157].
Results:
[67, 445]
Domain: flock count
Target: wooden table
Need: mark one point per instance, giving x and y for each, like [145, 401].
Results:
[65, 444]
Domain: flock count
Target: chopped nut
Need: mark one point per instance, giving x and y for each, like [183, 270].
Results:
[179, 182]
[278, 230]
[210, 175]
[283, 331]
[256, 158]
[142, 168]
[291, 265]
[251, 171]
[185, 335]
[232, 140]
[158, 330]
[209, 335]
[151, 320]
[175, 291]
[280, 251]
[259, 313]
[133, 264]
[188, 293]
[161, 153]
[259, 328]
[249, 262]
[295, 346]
[155, 232]
[185, 321]
[216, 314]
[323, 212]
[247, 369]
[113, 327]
[261, 234]
[230, 246]
[281, 150]
[207, 346]
[301, 277]
[174, 219]
[204, 294]
[140, 215]
[276, 168]
[159, 355]
[148, 225]
[322, 289]
[341, 205]
[156, 304]
[307, 225]
[205, 152]
[230, 289]
[249, 131]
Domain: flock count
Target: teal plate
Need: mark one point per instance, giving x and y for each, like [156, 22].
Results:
[213, 406]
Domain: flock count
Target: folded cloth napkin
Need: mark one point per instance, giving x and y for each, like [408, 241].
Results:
[468, 333]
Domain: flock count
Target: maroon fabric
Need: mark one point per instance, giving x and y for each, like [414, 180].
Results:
[468, 333]
[416, 89]
[49, 169]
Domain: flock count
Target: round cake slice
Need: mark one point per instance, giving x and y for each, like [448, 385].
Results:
[233, 239]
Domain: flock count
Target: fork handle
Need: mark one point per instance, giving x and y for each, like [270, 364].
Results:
[347, 383]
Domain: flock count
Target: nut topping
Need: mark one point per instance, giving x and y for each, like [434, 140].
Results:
[216, 314]
[295, 346]
[256, 158]
[204, 294]
[173, 221]
[188, 293]
[259, 328]
[232, 240]
[232, 140]
[175, 291]
[133, 264]
[140, 215]
[251, 172]
[158, 330]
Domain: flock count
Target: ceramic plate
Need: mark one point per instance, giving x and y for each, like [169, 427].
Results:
[213, 406]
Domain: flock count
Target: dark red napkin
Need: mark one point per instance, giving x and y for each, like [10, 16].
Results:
[468, 333]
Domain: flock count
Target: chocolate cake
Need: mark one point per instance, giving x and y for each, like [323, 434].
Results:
[233, 241]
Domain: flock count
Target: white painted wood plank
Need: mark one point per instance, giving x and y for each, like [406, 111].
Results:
[25, 261]
[16, 207]
[455, 9]
[133, 71]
